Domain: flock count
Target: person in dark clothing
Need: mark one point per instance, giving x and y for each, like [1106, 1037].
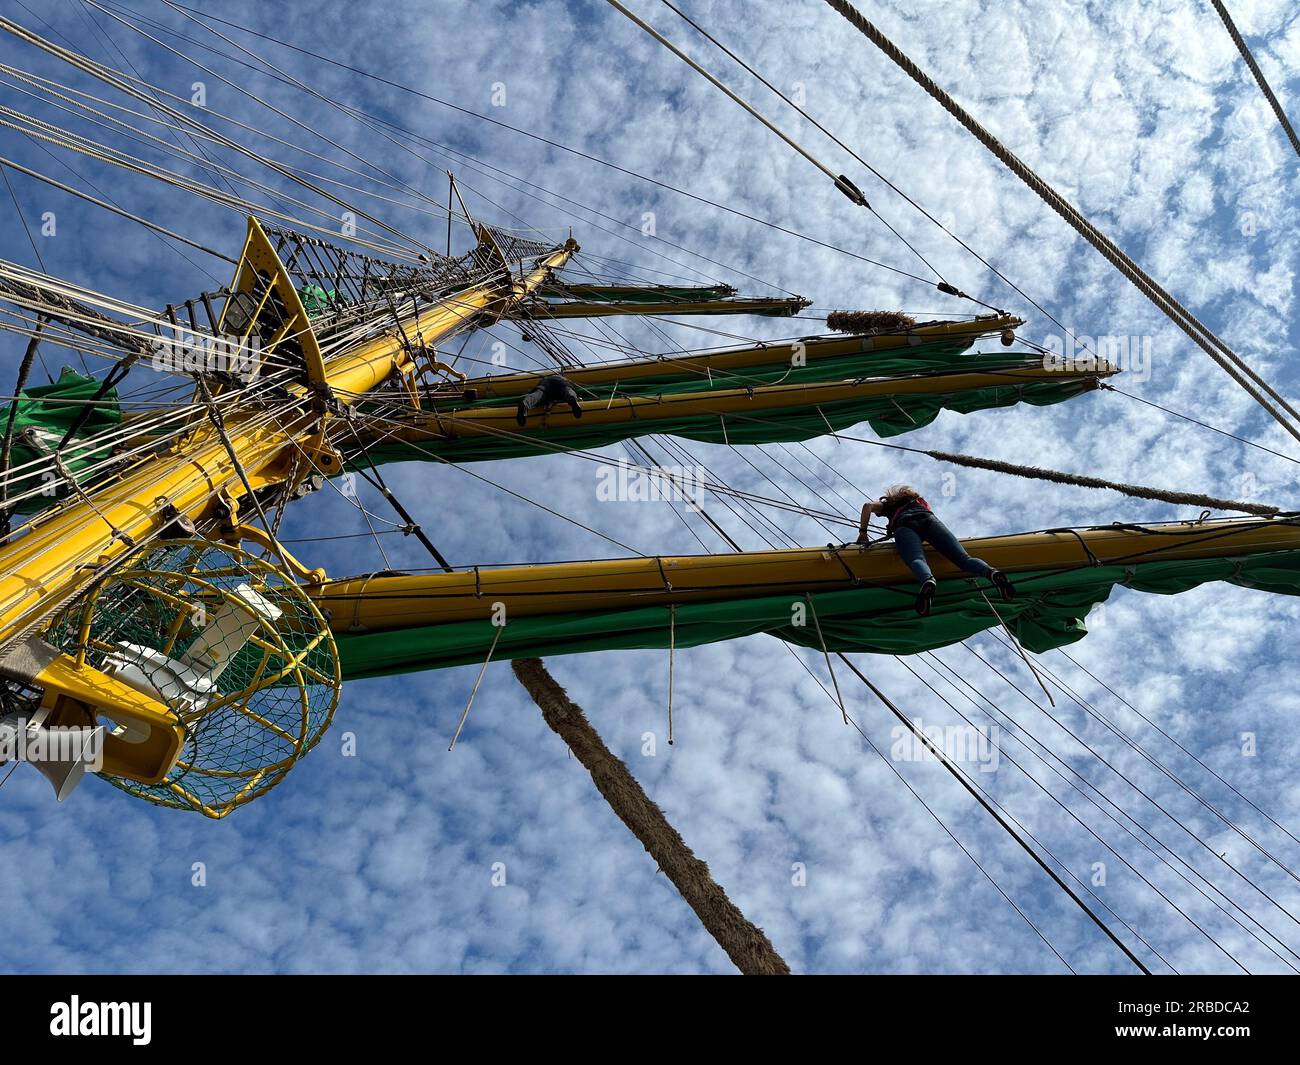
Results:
[549, 391]
[912, 524]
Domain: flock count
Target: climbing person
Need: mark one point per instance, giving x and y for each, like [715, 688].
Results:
[911, 522]
[549, 391]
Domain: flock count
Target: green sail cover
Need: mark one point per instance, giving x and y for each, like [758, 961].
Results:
[887, 416]
[45, 414]
[641, 294]
[935, 355]
[1048, 612]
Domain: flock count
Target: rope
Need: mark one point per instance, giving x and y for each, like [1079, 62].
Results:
[1201, 335]
[980, 798]
[1137, 491]
[840, 181]
[1259, 75]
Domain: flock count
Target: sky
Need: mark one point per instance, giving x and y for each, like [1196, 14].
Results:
[499, 856]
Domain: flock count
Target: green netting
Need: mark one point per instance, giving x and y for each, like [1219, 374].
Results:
[1049, 611]
[887, 416]
[45, 414]
[238, 652]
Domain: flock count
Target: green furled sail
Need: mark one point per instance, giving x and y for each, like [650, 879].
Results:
[887, 416]
[44, 416]
[1049, 611]
[680, 376]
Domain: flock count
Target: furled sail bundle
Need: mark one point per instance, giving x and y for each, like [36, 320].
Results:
[779, 392]
[862, 597]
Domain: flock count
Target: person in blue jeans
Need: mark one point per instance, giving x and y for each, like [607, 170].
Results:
[912, 524]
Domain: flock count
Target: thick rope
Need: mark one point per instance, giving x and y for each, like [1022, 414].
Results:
[1259, 75]
[1228, 360]
[1137, 491]
[744, 942]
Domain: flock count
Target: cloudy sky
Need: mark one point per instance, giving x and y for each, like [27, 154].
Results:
[391, 860]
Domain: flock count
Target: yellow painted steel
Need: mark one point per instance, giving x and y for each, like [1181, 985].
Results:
[601, 309]
[78, 540]
[257, 263]
[379, 603]
[813, 348]
[71, 688]
[492, 421]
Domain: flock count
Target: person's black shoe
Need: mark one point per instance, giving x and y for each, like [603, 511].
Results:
[521, 417]
[1003, 584]
[925, 597]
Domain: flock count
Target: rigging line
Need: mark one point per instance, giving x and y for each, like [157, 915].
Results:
[477, 164]
[1146, 795]
[845, 186]
[412, 526]
[206, 162]
[951, 676]
[1084, 825]
[1264, 87]
[565, 148]
[264, 160]
[357, 115]
[1092, 712]
[45, 131]
[1227, 359]
[894, 188]
[6, 450]
[627, 446]
[518, 495]
[76, 106]
[754, 73]
[960, 777]
[1204, 425]
[256, 99]
[889, 762]
[115, 209]
[1079, 665]
[164, 241]
[1041, 473]
[34, 348]
[1104, 843]
[87, 18]
[121, 82]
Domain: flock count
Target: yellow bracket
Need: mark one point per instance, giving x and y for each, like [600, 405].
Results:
[264, 540]
[147, 745]
[261, 273]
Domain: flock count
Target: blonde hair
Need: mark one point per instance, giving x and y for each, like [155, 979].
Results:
[898, 494]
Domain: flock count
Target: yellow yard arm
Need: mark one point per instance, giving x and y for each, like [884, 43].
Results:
[377, 604]
[735, 402]
[812, 349]
[782, 307]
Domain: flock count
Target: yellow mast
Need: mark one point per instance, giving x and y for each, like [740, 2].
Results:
[77, 540]
[202, 477]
